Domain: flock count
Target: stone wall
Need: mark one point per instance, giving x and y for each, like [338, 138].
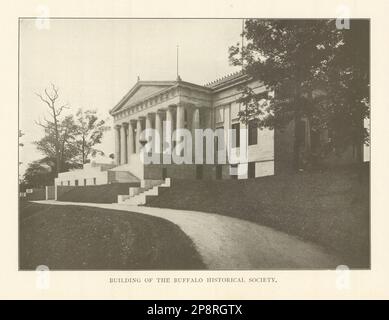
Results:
[61, 190]
[187, 171]
[107, 193]
[174, 171]
[93, 175]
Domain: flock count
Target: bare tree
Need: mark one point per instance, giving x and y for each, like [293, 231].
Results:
[50, 98]
[21, 144]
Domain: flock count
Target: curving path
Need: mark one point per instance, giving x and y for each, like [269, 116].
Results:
[230, 243]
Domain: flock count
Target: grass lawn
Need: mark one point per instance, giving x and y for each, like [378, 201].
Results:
[330, 208]
[76, 237]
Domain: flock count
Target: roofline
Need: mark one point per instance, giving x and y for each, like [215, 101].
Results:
[135, 87]
[216, 86]
[197, 86]
[172, 83]
[225, 84]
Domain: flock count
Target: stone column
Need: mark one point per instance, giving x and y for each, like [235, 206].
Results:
[169, 117]
[195, 118]
[148, 124]
[117, 144]
[180, 116]
[169, 128]
[195, 125]
[130, 141]
[180, 121]
[123, 144]
[148, 132]
[158, 129]
[137, 136]
[208, 115]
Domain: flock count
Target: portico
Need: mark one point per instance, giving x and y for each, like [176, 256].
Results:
[167, 107]
[178, 106]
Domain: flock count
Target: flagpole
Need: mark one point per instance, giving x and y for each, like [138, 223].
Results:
[177, 62]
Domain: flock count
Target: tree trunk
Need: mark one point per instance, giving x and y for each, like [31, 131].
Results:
[57, 147]
[83, 150]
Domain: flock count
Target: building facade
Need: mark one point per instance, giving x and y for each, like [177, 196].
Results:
[167, 107]
[151, 104]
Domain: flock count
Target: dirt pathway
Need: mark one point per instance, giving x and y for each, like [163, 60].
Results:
[230, 243]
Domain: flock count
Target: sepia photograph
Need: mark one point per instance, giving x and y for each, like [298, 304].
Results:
[193, 144]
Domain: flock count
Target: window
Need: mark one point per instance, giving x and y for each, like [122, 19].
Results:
[219, 115]
[185, 119]
[76, 182]
[235, 109]
[251, 170]
[68, 182]
[236, 134]
[219, 139]
[94, 180]
[253, 133]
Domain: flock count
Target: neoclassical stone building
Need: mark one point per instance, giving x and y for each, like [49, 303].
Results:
[185, 105]
[150, 104]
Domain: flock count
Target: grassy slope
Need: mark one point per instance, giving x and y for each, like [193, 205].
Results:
[330, 208]
[75, 237]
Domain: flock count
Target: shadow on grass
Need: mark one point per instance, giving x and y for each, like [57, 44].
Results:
[86, 238]
[330, 208]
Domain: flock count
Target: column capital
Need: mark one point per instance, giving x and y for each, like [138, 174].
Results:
[187, 105]
[190, 105]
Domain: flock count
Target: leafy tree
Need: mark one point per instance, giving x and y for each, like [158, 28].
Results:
[38, 175]
[89, 133]
[316, 71]
[68, 141]
[60, 145]
[347, 78]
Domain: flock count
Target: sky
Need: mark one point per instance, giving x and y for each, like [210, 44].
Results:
[96, 62]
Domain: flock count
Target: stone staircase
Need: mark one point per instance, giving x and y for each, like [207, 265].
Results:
[138, 195]
[121, 176]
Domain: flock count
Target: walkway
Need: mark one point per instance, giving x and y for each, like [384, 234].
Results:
[230, 243]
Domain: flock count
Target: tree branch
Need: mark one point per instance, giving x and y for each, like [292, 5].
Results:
[43, 99]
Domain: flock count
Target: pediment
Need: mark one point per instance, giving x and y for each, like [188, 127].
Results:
[141, 91]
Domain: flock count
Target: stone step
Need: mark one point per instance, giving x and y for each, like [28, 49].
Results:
[138, 195]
